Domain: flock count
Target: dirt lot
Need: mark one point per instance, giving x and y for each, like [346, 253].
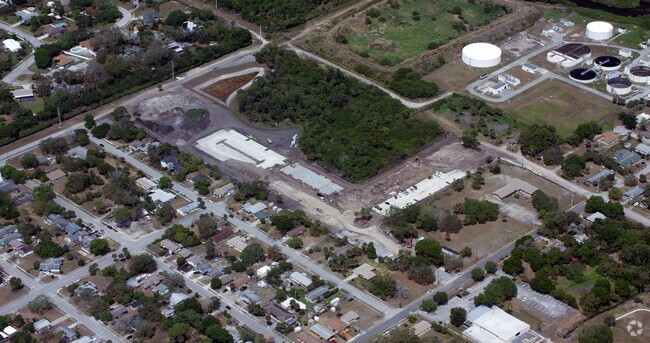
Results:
[6, 295]
[556, 103]
[222, 89]
[456, 75]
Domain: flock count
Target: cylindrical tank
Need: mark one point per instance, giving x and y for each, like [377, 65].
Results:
[639, 74]
[481, 55]
[599, 30]
[619, 86]
[583, 75]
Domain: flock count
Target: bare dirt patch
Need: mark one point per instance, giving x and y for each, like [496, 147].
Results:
[223, 88]
[173, 112]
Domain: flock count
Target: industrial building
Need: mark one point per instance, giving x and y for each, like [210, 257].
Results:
[529, 68]
[509, 79]
[488, 325]
[599, 30]
[481, 55]
[569, 55]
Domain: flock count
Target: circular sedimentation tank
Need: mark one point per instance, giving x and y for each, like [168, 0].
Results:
[619, 85]
[639, 74]
[481, 55]
[583, 75]
[608, 63]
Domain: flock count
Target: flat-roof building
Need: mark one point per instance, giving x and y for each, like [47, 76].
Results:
[300, 279]
[493, 325]
[514, 185]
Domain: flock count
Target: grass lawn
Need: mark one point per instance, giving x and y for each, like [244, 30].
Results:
[560, 105]
[36, 105]
[590, 277]
[400, 33]
[634, 36]
[553, 13]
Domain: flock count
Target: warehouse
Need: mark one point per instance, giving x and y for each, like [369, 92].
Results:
[493, 325]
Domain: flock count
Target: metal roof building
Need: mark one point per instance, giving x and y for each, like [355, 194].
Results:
[300, 279]
[494, 325]
[321, 331]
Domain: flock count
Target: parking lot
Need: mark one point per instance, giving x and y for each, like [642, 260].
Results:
[545, 304]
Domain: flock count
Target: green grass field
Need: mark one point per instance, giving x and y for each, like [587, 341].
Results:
[590, 277]
[400, 33]
[36, 105]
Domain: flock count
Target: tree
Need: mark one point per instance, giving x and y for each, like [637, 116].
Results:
[253, 253]
[628, 119]
[295, 243]
[479, 211]
[594, 204]
[28, 161]
[175, 18]
[89, 121]
[513, 266]
[177, 333]
[47, 249]
[428, 305]
[429, 248]
[40, 304]
[100, 131]
[99, 246]
[421, 273]
[165, 214]
[615, 193]
[142, 264]
[122, 217]
[383, 286]
[164, 182]
[537, 138]
[469, 139]
[202, 186]
[466, 252]
[573, 166]
[441, 298]
[457, 316]
[458, 185]
[597, 333]
[16, 284]
[219, 335]
[542, 284]
[215, 283]
[7, 208]
[491, 267]
[478, 274]
[371, 252]
[44, 193]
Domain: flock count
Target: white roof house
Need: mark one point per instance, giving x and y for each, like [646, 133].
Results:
[592, 218]
[643, 149]
[42, 324]
[287, 303]
[642, 118]
[252, 209]
[161, 196]
[364, 271]
[237, 243]
[145, 183]
[11, 45]
[349, 317]
[185, 210]
[494, 325]
[300, 279]
[263, 271]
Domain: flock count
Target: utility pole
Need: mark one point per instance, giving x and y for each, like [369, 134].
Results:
[173, 76]
[58, 111]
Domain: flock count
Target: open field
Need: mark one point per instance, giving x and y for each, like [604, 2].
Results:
[561, 105]
[222, 89]
[394, 33]
[577, 289]
[620, 330]
[462, 75]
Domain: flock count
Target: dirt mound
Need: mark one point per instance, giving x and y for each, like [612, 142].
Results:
[223, 88]
[179, 113]
[155, 127]
[167, 105]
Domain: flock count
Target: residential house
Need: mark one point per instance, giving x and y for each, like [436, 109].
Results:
[600, 176]
[51, 265]
[226, 279]
[296, 231]
[305, 337]
[316, 293]
[161, 196]
[364, 271]
[86, 289]
[300, 279]
[86, 339]
[53, 30]
[250, 298]
[25, 16]
[203, 268]
[8, 331]
[189, 26]
[224, 190]
[170, 246]
[118, 312]
[626, 158]
[42, 325]
[189, 208]
[151, 18]
[9, 187]
[7, 230]
[262, 272]
[66, 333]
[12, 45]
[55, 175]
[168, 312]
[350, 317]
[195, 260]
[25, 250]
[592, 218]
[161, 289]
[252, 209]
[261, 215]
[642, 149]
[222, 235]
[176, 298]
[62, 224]
[170, 163]
[642, 118]
[42, 160]
[151, 281]
[338, 326]
[63, 61]
[421, 328]
[280, 314]
[237, 243]
[23, 95]
[6, 240]
[196, 176]
[145, 183]
[77, 152]
[184, 253]
[288, 303]
[321, 332]
[608, 139]
[136, 322]
[634, 192]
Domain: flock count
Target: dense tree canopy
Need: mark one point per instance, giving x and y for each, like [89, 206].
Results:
[351, 128]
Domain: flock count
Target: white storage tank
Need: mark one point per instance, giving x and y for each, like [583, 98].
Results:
[481, 55]
[639, 74]
[619, 86]
[599, 30]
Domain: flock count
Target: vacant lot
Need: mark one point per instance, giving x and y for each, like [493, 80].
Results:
[561, 105]
[222, 89]
[621, 333]
[403, 29]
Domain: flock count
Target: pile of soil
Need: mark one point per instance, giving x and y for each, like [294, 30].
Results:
[223, 88]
